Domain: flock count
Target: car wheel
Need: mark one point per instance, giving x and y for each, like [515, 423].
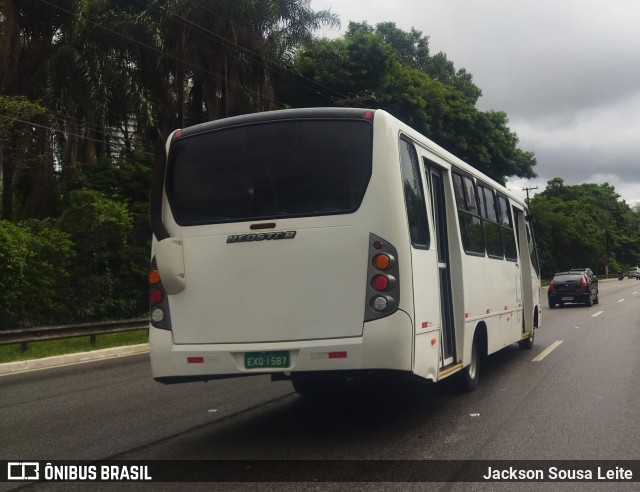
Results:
[552, 305]
[589, 302]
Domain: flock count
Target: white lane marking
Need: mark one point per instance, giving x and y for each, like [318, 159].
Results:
[547, 351]
[597, 314]
[621, 300]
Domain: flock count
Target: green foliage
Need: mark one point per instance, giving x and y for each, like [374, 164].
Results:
[100, 228]
[424, 91]
[34, 263]
[87, 82]
[584, 226]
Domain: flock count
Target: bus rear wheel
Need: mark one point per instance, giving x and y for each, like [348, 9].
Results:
[471, 373]
[527, 343]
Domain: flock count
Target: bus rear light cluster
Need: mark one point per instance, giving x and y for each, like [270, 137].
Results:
[158, 304]
[383, 291]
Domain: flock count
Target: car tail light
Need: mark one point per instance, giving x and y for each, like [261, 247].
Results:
[552, 286]
[158, 302]
[383, 290]
[583, 284]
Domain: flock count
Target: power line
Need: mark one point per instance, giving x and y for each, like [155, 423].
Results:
[355, 100]
[158, 50]
[59, 130]
[221, 40]
[243, 28]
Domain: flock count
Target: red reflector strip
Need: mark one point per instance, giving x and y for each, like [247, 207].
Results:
[329, 355]
[337, 355]
[195, 360]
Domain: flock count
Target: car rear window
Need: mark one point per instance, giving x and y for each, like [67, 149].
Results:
[568, 277]
[269, 170]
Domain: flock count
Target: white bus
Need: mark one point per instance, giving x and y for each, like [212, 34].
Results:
[319, 244]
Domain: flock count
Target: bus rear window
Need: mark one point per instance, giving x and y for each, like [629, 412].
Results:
[270, 170]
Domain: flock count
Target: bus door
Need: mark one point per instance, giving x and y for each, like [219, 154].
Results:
[527, 273]
[439, 210]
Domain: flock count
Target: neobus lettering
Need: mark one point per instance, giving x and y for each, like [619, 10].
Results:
[246, 238]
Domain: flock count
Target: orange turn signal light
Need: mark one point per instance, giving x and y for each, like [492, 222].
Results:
[154, 277]
[382, 261]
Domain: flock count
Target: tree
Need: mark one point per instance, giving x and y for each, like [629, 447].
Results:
[218, 59]
[18, 131]
[34, 263]
[584, 225]
[424, 91]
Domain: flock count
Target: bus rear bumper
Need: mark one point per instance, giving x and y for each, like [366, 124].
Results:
[386, 344]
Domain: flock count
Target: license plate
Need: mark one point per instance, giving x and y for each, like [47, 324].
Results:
[567, 298]
[266, 360]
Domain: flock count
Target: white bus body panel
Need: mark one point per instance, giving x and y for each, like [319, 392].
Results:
[307, 295]
[385, 344]
[304, 288]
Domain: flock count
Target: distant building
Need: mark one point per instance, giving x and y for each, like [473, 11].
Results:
[636, 208]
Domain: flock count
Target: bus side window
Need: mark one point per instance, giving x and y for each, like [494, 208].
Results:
[532, 250]
[490, 227]
[414, 195]
[468, 216]
[506, 224]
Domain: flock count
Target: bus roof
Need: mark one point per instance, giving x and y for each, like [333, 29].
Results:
[349, 113]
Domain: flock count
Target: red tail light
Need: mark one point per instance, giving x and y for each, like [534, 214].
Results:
[584, 282]
[155, 296]
[552, 286]
[383, 290]
[158, 305]
[380, 282]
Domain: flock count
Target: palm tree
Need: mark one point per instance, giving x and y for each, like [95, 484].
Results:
[219, 56]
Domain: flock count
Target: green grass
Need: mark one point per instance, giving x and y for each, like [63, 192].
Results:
[49, 348]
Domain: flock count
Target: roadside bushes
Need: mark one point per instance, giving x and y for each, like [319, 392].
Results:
[35, 259]
[87, 265]
[100, 228]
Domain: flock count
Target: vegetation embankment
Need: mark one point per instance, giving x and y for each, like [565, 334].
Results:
[88, 86]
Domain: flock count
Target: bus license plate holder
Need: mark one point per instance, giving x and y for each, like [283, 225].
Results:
[266, 360]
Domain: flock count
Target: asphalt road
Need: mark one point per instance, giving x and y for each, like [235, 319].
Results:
[574, 396]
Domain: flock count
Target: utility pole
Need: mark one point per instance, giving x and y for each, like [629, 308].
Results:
[527, 191]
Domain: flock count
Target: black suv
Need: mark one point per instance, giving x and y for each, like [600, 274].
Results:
[573, 287]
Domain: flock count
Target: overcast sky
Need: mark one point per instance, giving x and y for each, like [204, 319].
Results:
[566, 72]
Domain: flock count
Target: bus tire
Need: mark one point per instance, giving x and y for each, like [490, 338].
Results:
[471, 373]
[527, 343]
